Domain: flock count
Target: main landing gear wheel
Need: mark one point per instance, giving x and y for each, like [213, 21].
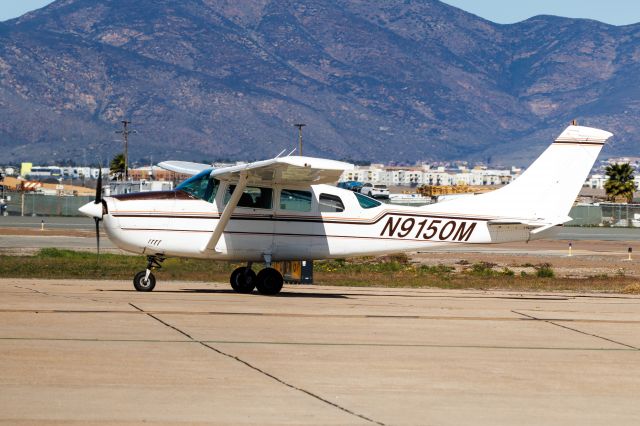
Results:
[141, 283]
[243, 280]
[269, 281]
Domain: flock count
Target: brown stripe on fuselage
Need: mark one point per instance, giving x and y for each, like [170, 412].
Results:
[309, 219]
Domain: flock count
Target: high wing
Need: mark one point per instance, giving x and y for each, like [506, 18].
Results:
[293, 170]
[184, 167]
[283, 170]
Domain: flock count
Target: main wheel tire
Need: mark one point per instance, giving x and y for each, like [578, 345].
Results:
[243, 280]
[141, 285]
[269, 281]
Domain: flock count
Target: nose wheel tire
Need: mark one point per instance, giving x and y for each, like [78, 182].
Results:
[269, 282]
[142, 284]
[243, 280]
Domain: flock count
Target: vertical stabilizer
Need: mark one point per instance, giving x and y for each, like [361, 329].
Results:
[546, 191]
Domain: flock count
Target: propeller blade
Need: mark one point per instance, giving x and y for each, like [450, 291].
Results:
[99, 188]
[97, 234]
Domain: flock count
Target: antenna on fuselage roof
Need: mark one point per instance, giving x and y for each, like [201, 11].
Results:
[292, 151]
[278, 156]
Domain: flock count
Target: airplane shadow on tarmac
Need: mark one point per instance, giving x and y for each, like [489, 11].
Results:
[216, 291]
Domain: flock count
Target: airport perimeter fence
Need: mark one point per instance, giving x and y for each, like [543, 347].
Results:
[29, 204]
[606, 214]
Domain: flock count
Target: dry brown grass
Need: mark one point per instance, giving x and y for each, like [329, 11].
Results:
[389, 271]
[465, 281]
[633, 288]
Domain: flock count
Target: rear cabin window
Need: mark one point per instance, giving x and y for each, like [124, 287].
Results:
[366, 202]
[330, 203]
[293, 199]
[252, 197]
[201, 186]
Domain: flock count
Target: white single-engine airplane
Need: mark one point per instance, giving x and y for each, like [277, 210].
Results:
[284, 209]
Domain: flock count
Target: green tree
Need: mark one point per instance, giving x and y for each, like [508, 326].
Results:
[116, 167]
[620, 184]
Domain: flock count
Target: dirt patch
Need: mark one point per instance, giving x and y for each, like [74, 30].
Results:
[632, 289]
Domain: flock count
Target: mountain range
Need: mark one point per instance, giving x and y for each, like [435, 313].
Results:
[374, 80]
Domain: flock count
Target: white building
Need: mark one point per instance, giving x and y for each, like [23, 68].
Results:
[426, 175]
[8, 170]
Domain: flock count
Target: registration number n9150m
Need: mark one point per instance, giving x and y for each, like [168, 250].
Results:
[428, 228]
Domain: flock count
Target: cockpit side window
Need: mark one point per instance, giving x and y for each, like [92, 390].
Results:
[201, 186]
[330, 203]
[252, 197]
[366, 202]
[296, 200]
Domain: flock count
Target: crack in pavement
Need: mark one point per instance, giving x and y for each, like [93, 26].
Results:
[576, 330]
[264, 373]
[44, 293]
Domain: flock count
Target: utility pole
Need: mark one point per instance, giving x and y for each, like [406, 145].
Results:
[299, 126]
[125, 136]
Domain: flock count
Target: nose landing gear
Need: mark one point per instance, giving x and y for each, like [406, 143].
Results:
[145, 280]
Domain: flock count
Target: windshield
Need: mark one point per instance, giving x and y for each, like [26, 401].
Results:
[366, 202]
[201, 186]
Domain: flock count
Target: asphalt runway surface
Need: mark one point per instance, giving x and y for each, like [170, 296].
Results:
[56, 222]
[97, 351]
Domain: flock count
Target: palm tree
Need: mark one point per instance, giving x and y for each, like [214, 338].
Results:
[116, 167]
[620, 184]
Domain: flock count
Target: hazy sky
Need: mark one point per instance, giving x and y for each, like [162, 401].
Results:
[617, 12]
[14, 8]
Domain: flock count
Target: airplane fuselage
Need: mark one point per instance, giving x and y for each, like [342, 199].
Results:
[177, 224]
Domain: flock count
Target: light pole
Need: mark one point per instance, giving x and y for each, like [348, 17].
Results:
[299, 126]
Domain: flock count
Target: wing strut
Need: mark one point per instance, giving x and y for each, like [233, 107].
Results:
[226, 213]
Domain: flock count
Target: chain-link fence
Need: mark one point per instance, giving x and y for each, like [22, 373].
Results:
[29, 204]
[585, 215]
[621, 215]
[606, 214]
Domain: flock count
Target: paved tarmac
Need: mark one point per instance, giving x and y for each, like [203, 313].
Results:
[56, 222]
[96, 351]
